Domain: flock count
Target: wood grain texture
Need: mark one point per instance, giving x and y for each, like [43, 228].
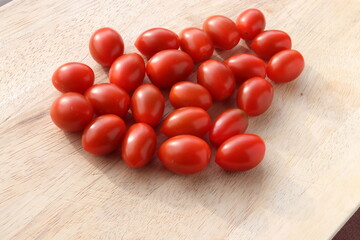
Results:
[306, 187]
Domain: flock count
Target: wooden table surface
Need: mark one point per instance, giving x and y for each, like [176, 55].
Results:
[307, 186]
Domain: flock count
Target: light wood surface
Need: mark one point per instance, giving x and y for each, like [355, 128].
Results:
[307, 186]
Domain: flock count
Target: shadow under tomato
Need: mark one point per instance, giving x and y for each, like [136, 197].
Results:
[222, 55]
[141, 181]
[230, 196]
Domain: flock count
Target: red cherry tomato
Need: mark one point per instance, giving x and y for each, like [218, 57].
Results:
[104, 134]
[267, 43]
[185, 154]
[139, 145]
[245, 66]
[128, 71]
[73, 77]
[147, 104]
[229, 123]
[197, 44]
[108, 98]
[105, 46]
[241, 152]
[189, 94]
[222, 31]
[255, 96]
[285, 66]
[216, 77]
[71, 112]
[187, 120]
[168, 67]
[155, 40]
[250, 23]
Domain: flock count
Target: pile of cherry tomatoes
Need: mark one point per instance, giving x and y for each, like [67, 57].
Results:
[184, 152]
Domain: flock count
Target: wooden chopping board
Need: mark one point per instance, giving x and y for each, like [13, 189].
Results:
[306, 187]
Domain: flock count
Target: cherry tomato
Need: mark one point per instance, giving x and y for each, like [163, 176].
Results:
[128, 71]
[104, 134]
[187, 120]
[189, 94]
[197, 44]
[168, 67]
[285, 66]
[240, 152]
[105, 46]
[222, 31]
[216, 77]
[155, 40]
[267, 43]
[185, 154]
[73, 77]
[255, 96]
[229, 123]
[71, 112]
[147, 104]
[250, 23]
[139, 145]
[108, 98]
[245, 66]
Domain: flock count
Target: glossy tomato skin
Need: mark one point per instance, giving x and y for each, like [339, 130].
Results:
[250, 23]
[285, 66]
[197, 44]
[128, 72]
[73, 77]
[245, 66]
[240, 152]
[267, 43]
[147, 104]
[187, 120]
[155, 40]
[71, 112]
[108, 98]
[217, 78]
[168, 67]
[255, 96]
[229, 123]
[190, 94]
[104, 134]
[185, 154]
[105, 46]
[139, 145]
[222, 31]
